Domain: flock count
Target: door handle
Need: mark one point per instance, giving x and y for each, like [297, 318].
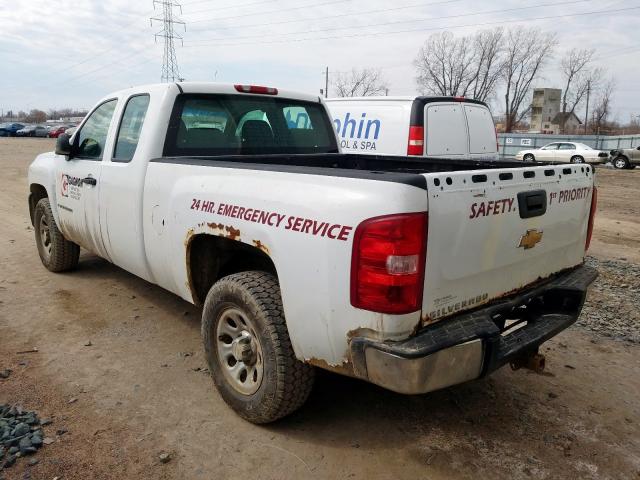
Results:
[90, 181]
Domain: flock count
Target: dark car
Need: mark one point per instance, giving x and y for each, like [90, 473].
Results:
[10, 129]
[32, 131]
[625, 158]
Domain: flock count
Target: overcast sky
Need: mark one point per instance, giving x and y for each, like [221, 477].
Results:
[69, 53]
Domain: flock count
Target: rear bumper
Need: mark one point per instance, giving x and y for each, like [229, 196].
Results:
[474, 344]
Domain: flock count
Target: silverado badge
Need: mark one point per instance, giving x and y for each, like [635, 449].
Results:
[530, 239]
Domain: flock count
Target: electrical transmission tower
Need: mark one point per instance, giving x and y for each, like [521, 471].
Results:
[170, 72]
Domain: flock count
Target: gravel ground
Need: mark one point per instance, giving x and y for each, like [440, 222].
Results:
[612, 308]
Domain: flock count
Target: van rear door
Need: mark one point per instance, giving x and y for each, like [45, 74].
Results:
[482, 133]
[445, 130]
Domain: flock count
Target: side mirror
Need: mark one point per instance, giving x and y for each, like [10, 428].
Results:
[63, 147]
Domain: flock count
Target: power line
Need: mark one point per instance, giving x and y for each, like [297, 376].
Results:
[340, 15]
[417, 30]
[170, 72]
[350, 27]
[224, 8]
[301, 7]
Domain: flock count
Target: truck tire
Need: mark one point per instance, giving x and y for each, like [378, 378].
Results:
[56, 252]
[620, 162]
[248, 349]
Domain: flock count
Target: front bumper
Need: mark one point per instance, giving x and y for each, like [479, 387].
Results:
[474, 344]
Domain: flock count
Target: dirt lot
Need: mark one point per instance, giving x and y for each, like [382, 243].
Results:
[139, 391]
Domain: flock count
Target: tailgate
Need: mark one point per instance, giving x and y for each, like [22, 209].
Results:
[490, 232]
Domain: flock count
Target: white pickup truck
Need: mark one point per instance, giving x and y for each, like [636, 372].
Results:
[412, 273]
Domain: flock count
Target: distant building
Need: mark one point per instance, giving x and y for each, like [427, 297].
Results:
[544, 108]
[570, 121]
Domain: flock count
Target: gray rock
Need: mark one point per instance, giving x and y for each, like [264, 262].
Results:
[164, 457]
[5, 373]
[21, 429]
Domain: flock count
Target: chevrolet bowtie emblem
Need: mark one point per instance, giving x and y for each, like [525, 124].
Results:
[530, 239]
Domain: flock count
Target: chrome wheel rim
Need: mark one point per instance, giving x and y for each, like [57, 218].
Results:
[578, 160]
[620, 163]
[239, 351]
[45, 237]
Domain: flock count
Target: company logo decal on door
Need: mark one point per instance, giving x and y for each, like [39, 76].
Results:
[70, 186]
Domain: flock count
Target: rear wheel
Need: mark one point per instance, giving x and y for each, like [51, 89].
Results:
[56, 252]
[621, 162]
[248, 349]
[577, 159]
[529, 158]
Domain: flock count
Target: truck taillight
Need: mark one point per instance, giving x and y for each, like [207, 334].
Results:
[256, 89]
[416, 141]
[592, 214]
[388, 262]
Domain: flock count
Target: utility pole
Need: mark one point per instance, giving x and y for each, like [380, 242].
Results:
[586, 113]
[326, 82]
[170, 72]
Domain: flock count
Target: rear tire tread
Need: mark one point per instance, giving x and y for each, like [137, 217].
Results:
[294, 379]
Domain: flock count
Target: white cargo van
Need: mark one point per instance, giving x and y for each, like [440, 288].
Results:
[444, 127]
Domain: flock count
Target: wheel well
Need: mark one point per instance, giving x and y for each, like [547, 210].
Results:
[37, 193]
[209, 258]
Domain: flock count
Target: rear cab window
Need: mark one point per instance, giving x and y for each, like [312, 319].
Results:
[220, 124]
[130, 127]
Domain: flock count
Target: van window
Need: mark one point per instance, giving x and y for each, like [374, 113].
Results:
[446, 130]
[482, 133]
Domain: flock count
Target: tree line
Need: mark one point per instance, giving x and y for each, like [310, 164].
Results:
[40, 116]
[499, 61]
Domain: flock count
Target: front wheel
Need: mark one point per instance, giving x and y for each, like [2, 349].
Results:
[620, 162]
[528, 158]
[577, 159]
[248, 349]
[56, 252]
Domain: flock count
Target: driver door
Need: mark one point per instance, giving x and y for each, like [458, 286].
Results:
[78, 180]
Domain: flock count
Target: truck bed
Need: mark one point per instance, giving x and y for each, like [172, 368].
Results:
[407, 170]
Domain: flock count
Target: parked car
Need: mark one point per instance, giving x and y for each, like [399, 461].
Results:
[443, 127]
[563, 152]
[32, 131]
[306, 257]
[10, 129]
[625, 158]
[55, 131]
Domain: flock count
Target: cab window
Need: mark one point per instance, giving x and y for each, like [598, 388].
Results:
[130, 127]
[219, 124]
[92, 137]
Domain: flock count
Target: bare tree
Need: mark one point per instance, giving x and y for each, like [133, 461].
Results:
[578, 75]
[360, 83]
[463, 66]
[602, 106]
[526, 52]
[36, 116]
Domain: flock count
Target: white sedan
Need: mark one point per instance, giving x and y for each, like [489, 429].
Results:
[563, 152]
